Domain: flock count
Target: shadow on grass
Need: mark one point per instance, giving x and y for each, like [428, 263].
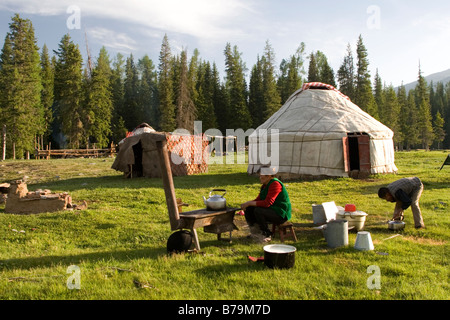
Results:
[51, 261]
[185, 182]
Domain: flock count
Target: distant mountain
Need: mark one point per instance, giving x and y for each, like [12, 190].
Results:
[443, 76]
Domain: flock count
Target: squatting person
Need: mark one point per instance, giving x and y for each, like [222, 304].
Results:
[404, 192]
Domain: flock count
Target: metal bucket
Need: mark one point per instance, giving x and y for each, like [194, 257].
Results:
[336, 233]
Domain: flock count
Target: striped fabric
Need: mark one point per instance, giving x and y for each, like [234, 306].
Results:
[320, 85]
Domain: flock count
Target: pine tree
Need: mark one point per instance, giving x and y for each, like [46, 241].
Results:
[446, 116]
[236, 89]
[346, 75]
[165, 88]
[256, 94]
[380, 99]
[438, 129]
[68, 85]
[205, 96]
[20, 87]
[363, 90]
[132, 111]
[117, 96]
[411, 131]
[99, 105]
[291, 74]
[391, 113]
[313, 72]
[424, 112]
[403, 121]
[319, 70]
[221, 101]
[47, 96]
[185, 108]
[271, 97]
[147, 93]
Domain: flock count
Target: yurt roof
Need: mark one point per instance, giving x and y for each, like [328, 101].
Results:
[319, 108]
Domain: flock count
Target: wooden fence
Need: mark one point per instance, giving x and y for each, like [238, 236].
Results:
[74, 153]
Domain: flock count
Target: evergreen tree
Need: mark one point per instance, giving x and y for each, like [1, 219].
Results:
[411, 131]
[313, 72]
[47, 96]
[165, 88]
[99, 106]
[271, 97]
[221, 101]
[446, 116]
[147, 93]
[380, 100]
[319, 69]
[424, 112]
[346, 75]
[185, 108]
[438, 129]
[256, 94]
[391, 113]
[236, 90]
[117, 97]
[402, 100]
[132, 112]
[363, 89]
[205, 96]
[20, 87]
[292, 71]
[68, 84]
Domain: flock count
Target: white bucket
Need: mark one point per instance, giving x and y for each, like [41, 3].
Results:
[363, 241]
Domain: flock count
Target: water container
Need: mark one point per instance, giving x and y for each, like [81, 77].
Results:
[336, 233]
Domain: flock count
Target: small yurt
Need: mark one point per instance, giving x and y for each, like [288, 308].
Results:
[319, 132]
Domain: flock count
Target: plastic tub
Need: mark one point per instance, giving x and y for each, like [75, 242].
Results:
[355, 219]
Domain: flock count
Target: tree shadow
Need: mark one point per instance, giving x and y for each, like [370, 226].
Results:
[51, 261]
[184, 182]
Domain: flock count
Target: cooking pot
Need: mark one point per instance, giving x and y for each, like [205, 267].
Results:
[215, 201]
[396, 225]
[279, 256]
[179, 241]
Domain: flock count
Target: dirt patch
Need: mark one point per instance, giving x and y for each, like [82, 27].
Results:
[427, 241]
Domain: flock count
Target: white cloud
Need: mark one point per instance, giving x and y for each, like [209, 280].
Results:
[111, 39]
[206, 19]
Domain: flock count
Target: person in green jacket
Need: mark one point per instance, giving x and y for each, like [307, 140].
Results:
[272, 205]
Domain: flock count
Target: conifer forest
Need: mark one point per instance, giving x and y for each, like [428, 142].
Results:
[56, 97]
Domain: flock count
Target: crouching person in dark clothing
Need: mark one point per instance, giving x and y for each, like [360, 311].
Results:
[271, 206]
[405, 192]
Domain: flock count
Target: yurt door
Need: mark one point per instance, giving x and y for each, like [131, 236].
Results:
[356, 150]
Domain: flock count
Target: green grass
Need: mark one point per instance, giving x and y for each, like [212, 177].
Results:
[119, 242]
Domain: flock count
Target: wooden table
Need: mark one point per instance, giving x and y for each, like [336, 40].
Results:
[217, 221]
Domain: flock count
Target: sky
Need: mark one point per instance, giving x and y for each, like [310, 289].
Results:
[397, 34]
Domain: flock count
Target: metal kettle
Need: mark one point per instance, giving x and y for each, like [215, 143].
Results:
[215, 201]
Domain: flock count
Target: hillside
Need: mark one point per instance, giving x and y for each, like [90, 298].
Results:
[443, 76]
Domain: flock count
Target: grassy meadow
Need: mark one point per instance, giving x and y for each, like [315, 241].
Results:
[118, 244]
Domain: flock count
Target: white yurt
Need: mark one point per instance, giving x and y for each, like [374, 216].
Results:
[319, 132]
